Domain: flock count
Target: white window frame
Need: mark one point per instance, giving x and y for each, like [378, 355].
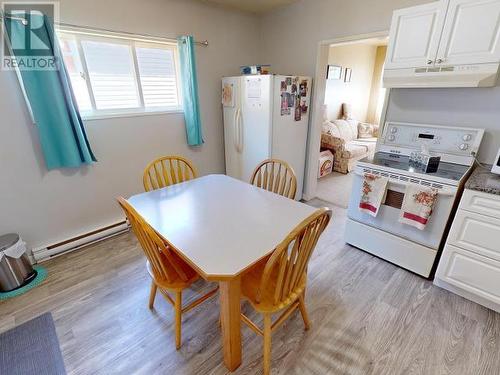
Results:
[134, 41]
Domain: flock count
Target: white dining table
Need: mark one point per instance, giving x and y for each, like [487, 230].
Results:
[221, 226]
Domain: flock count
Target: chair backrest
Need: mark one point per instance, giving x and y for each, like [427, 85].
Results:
[276, 176]
[164, 264]
[288, 263]
[166, 171]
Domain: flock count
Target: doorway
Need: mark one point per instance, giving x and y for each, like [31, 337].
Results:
[348, 113]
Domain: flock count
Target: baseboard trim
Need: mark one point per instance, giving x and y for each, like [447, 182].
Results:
[45, 253]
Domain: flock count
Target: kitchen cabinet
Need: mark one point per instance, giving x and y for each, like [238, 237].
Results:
[414, 35]
[476, 275]
[444, 33]
[470, 263]
[470, 33]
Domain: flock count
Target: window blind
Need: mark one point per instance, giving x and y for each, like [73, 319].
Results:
[158, 78]
[111, 73]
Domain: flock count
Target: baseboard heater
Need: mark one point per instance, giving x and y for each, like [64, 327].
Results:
[48, 252]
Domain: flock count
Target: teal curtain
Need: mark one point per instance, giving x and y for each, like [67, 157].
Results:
[60, 127]
[189, 84]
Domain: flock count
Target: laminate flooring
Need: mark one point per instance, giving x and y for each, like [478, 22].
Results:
[368, 317]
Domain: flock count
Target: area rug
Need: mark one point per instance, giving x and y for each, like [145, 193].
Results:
[31, 348]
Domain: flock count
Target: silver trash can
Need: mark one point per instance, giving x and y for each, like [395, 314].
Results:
[15, 266]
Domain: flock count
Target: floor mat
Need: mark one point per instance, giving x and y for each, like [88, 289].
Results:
[31, 348]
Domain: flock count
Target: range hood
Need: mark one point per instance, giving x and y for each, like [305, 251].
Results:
[478, 75]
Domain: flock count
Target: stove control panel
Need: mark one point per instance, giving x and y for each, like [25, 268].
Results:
[457, 142]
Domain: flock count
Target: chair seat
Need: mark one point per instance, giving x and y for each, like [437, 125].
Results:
[250, 285]
[271, 277]
[176, 283]
[168, 271]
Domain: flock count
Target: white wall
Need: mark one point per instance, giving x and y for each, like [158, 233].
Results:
[317, 20]
[45, 207]
[360, 58]
[470, 107]
[328, 19]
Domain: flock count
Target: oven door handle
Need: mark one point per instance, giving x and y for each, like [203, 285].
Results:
[442, 191]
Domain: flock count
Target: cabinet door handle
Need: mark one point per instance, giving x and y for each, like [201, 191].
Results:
[429, 62]
[439, 61]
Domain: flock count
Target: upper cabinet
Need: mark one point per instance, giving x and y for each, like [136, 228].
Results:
[470, 33]
[444, 33]
[414, 36]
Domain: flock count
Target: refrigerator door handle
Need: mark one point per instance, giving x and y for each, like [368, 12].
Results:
[235, 133]
[238, 141]
[240, 132]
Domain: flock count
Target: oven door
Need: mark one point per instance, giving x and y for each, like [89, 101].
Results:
[388, 214]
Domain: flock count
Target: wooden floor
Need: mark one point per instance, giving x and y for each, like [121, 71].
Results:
[368, 317]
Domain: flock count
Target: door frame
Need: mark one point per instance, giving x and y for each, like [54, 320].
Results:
[314, 138]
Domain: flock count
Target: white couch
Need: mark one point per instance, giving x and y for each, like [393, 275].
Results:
[349, 141]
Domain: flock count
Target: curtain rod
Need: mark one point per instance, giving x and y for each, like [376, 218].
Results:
[203, 43]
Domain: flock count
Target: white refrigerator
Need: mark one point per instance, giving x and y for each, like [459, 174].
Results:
[266, 116]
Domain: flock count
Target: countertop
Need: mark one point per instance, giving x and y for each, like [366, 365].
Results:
[483, 180]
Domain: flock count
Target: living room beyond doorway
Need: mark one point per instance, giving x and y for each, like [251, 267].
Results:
[352, 111]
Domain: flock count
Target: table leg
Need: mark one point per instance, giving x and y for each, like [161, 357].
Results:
[231, 322]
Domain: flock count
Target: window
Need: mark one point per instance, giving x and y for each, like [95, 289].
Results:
[114, 75]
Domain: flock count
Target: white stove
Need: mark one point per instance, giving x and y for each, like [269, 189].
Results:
[384, 235]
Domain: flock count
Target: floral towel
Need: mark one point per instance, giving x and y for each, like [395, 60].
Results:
[417, 206]
[372, 193]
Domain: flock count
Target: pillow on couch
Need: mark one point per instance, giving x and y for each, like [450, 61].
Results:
[346, 111]
[366, 130]
[330, 128]
[353, 127]
[348, 130]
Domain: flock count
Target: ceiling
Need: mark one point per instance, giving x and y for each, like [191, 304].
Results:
[254, 6]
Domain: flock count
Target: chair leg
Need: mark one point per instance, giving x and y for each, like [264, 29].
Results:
[152, 294]
[267, 344]
[178, 319]
[303, 312]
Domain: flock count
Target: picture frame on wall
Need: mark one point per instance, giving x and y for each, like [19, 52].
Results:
[334, 72]
[348, 75]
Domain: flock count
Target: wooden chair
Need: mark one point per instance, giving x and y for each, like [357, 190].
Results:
[167, 270]
[279, 282]
[276, 176]
[166, 171]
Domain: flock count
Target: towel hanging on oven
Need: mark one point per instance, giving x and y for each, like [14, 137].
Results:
[417, 206]
[372, 193]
